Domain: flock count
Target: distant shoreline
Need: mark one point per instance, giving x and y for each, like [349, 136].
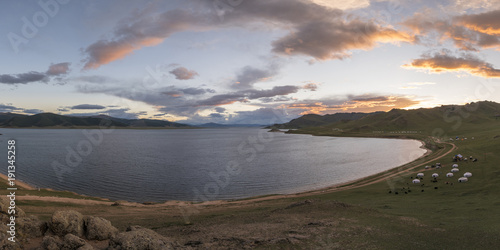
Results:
[98, 127]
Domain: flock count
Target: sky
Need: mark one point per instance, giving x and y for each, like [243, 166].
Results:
[245, 61]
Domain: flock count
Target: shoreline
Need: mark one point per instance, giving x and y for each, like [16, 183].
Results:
[19, 183]
[332, 188]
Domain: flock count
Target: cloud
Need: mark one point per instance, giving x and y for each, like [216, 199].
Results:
[97, 79]
[421, 83]
[277, 99]
[445, 62]
[415, 85]
[123, 113]
[220, 109]
[142, 29]
[311, 86]
[487, 23]
[261, 116]
[23, 78]
[177, 92]
[314, 30]
[353, 103]
[246, 95]
[88, 106]
[33, 111]
[182, 73]
[334, 39]
[216, 115]
[462, 5]
[54, 72]
[12, 109]
[468, 32]
[343, 4]
[58, 69]
[184, 101]
[8, 108]
[248, 76]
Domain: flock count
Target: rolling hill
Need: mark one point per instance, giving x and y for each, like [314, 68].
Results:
[446, 119]
[313, 120]
[10, 120]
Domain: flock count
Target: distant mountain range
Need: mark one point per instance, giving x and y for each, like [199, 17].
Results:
[450, 119]
[313, 120]
[11, 120]
[217, 125]
[50, 120]
[447, 118]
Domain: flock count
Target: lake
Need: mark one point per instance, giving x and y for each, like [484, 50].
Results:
[196, 164]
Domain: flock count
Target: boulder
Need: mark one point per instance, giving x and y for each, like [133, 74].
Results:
[72, 241]
[99, 228]
[67, 222]
[139, 238]
[5, 244]
[52, 243]
[30, 227]
[4, 210]
[10, 246]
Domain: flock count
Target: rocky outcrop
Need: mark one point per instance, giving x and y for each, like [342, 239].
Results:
[70, 229]
[67, 222]
[97, 228]
[139, 238]
[30, 227]
[52, 242]
[68, 242]
[4, 210]
[5, 244]
[74, 242]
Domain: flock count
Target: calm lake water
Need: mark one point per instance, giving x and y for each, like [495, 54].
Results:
[198, 164]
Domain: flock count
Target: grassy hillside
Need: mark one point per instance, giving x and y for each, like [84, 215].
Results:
[53, 120]
[7, 116]
[444, 121]
[313, 120]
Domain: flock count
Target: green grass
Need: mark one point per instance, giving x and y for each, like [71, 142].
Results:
[466, 211]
